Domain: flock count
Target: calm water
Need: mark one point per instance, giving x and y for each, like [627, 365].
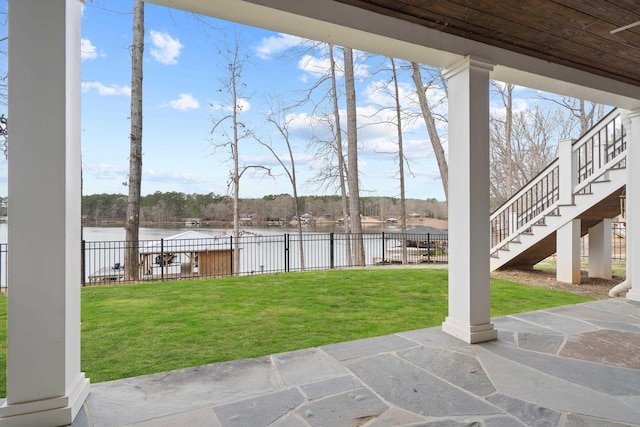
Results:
[261, 249]
[257, 254]
[96, 234]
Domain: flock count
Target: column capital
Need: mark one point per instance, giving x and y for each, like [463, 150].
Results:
[632, 114]
[467, 62]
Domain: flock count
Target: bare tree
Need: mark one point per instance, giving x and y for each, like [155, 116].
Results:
[524, 143]
[4, 136]
[328, 145]
[403, 205]
[584, 112]
[232, 85]
[339, 153]
[430, 121]
[135, 156]
[393, 90]
[534, 145]
[352, 162]
[278, 116]
[506, 95]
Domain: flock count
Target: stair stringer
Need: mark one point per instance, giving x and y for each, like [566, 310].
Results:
[552, 222]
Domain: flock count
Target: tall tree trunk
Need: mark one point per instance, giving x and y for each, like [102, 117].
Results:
[300, 235]
[132, 260]
[600, 111]
[430, 122]
[339, 154]
[352, 160]
[294, 184]
[278, 117]
[232, 92]
[236, 172]
[403, 205]
[586, 116]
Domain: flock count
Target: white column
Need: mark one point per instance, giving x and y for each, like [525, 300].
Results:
[600, 250]
[633, 206]
[469, 232]
[568, 172]
[44, 384]
[568, 252]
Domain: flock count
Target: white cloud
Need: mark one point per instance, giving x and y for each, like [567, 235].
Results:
[382, 92]
[319, 66]
[106, 90]
[269, 159]
[243, 106]
[175, 177]
[184, 102]
[87, 50]
[165, 49]
[177, 181]
[270, 46]
[519, 105]
[316, 67]
[360, 67]
[105, 171]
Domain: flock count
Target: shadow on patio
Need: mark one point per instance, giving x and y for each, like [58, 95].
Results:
[567, 366]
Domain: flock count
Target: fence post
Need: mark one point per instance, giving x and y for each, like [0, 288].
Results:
[383, 248]
[231, 255]
[286, 252]
[331, 253]
[161, 259]
[428, 247]
[82, 261]
[1, 256]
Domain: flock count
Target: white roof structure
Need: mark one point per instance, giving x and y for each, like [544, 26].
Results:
[188, 241]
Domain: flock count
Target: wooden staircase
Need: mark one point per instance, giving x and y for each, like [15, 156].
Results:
[585, 182]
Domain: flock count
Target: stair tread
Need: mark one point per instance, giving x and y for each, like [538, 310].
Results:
[537, 205]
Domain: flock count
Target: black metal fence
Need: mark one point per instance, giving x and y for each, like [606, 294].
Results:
[4, 276]
[166, 259]
[618, 243]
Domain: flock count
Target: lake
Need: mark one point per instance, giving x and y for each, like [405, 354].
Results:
[105, 233]
[262, 250]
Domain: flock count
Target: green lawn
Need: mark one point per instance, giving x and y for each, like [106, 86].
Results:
[131, 330]
[618, 268]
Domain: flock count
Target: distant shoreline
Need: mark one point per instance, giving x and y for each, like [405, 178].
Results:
[320, 222]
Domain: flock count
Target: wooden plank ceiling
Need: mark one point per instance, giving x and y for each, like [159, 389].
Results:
[575, 33]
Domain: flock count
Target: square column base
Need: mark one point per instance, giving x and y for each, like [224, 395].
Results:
[57, 411]
[471, 334]
[633, 294]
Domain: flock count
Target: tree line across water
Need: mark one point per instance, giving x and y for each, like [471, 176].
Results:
[175, 207]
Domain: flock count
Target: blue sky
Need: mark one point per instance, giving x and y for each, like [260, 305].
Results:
[183, 72]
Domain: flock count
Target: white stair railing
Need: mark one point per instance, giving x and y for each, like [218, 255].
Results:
[580, 164]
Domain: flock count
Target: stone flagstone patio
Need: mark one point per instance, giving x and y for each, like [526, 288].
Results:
[569, 366]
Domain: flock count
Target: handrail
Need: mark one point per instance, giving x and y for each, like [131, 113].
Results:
[600, 149]
[607, 117]
[591, 154]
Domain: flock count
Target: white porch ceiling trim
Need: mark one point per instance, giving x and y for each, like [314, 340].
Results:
[344, 25]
